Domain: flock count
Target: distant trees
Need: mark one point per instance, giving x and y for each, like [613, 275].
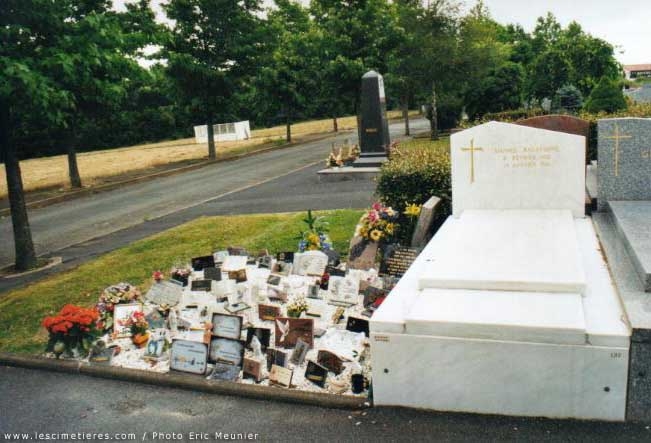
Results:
[607, 96]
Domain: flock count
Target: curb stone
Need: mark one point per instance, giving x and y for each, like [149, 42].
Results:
[183, 381]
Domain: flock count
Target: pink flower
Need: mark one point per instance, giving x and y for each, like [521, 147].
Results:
[377, 206]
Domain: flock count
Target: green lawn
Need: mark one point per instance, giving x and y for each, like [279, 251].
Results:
[22, 310]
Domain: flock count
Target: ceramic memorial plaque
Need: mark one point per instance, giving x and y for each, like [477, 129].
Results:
[310, 263]
[225, 371]
[220, 256]
[355, 324]
[316, 373]
[234, 263]
[331, 361]
[226, 326]
[287, 257]
[102, 357]
[201, 285]
[121, 315]
[268, 312]
[263, 334]
[212, 274]
[299, 353]
[276, 357]
[265, 262]
[199, 263]
[189, 356]
[155, 319]
[343, 290]
[225, 350]
[274, 280]
[165, 293]
[314, 291]
[237, 251]
[252, 368]
[281, 376]
[155, 346]
[289, 330]
[239, 276]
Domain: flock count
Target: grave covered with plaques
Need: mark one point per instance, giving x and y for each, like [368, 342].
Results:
[510, 308]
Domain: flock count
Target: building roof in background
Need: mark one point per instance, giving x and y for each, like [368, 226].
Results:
[643, 67]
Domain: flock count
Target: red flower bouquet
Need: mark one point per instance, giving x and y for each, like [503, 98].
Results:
[73, 330]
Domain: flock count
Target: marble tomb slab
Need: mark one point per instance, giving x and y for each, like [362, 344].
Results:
[510, 250]
[505, 166]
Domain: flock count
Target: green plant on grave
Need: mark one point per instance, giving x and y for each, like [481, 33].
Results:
[315, 237]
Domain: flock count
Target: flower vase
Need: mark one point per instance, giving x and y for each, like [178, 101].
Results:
[140, 339]
[293, 314]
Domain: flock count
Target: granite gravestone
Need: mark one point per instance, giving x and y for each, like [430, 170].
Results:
[624, 170]
[559, 123]
[374, 126]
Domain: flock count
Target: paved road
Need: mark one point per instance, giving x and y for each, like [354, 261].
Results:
[35, 401]
[294, 189]
[69, 223]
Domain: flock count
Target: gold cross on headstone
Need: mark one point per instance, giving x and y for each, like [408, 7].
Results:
[472, 150]
[617, 137]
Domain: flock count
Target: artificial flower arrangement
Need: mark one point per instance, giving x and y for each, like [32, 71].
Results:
[73, 330]
[181, 275]
[342, 156]
[139, 328]
[315, 237]
[378, 223]
[297, 306]
[114, 295]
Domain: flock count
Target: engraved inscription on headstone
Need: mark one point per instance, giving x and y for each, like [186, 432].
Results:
[397, 260]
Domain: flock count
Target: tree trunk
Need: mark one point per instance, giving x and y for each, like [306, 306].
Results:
[405, 114]
[212, 153]
[288, 131]
[24, 246]
[73, 169]
[433, 123]
[335, 125]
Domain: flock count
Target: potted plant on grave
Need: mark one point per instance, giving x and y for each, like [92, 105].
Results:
[73, 330]
[114, 295]
[139, 328]
[315, 237]
[297, 306]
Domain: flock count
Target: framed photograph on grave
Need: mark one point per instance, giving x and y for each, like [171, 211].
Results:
[189, 356]
[234, 263]
[155, 319]
[316, 373]
[314, 291]
[263, 334]
[239, 276]
[265, 262]
[121, 315]
[343, 290]
[165, 293]
[280, 376]
[282, 268]
[206, 261]
[252, 368]
[335, 272]
[237, 307]
[226, 350]
[268, 312]
[201, 285]
[311, 263]
[299, 353]
[287, 257]
[226, 326]
[225, 372]
[355, 324]
[102, 357]
[155, 347]
[274, 280]
[331, 361]
[212, 274]
[289, 330]
[220, 256]
[276, 294]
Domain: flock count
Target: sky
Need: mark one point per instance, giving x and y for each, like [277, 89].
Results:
[623, 24]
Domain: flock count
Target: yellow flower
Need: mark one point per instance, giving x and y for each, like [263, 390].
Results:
[363, 231]
[376, 235]
[389, 228]
[314, 239]
[412, 210]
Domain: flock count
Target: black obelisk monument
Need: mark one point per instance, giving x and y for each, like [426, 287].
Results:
[374, 132]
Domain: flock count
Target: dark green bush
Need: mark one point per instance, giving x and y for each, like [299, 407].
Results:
[418, 170]
[607, 96]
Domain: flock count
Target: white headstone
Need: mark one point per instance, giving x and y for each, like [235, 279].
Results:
[505, 166]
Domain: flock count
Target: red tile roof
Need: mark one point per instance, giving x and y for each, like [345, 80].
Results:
[631, 68]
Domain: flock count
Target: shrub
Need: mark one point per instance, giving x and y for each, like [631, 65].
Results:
[606, 96]
[418, 169]
[567, 99]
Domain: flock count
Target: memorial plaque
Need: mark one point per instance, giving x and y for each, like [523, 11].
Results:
[263, 334]
[397, 259]
[276, 357]
[239, 276]
[252, 368]
[265, 262]
[344, 290]
[155, 347]
[225, 371]
[220, 256]
[333, 271]
[226, 326]
[314, 291]
[310, 263]
[289, 330]
[212, 274]
[355, 324]
[374, 296]
[363, 253]
[226, 350]
[281, 376]
[316, 373]
[165, 293]
[189, 356]
[199, 263]
[201, 285]
[268, 312]
[121, 315]
[234, 263]
[287, 257]
[330, 361]
[299, 353]
[237, 251]
[282, 268]
[276, 294]
[103, 357]
[155, 319]
[274, 280]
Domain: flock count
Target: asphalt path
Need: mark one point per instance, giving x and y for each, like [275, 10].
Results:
[35, 401]
[277, 181]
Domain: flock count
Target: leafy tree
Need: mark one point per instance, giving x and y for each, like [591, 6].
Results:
[567, 99]
[550, 71]
[212, 52]
[500, 91]
[607, 96]
[28, 98]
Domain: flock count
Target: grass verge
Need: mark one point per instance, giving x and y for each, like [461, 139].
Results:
[22, 310]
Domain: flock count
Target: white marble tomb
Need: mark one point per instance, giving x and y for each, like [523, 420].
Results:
[510, 308]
